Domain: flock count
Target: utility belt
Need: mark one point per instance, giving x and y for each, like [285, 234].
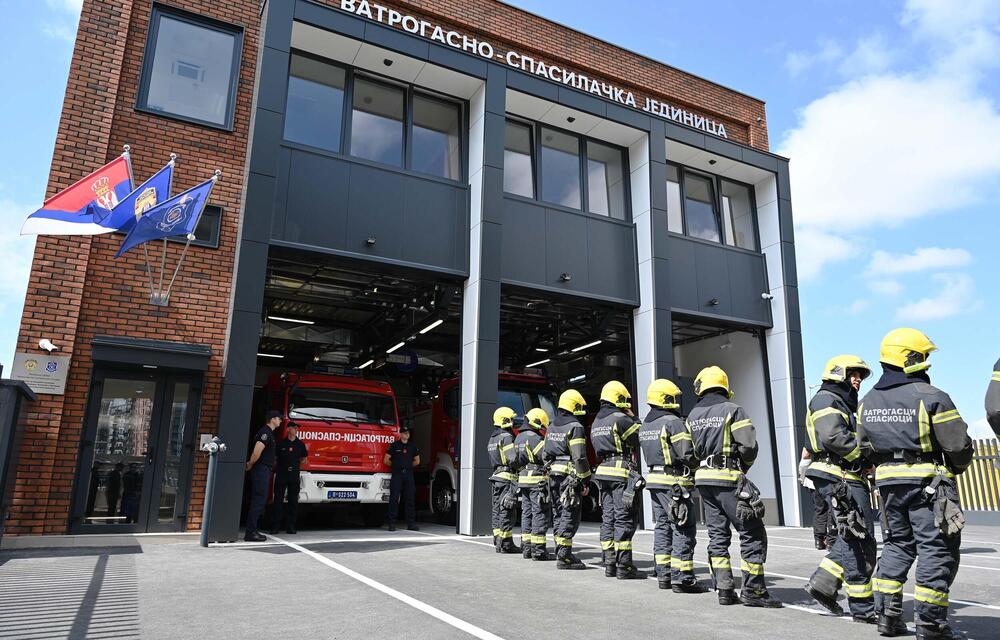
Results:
[719, 461]
[829, 458]
[561, 466]
[287, 470]
[674, 469]
[908, 457]
[531, 466]
[502, 468]
[613, 457]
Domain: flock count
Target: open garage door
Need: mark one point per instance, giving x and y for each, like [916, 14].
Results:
[740, 351]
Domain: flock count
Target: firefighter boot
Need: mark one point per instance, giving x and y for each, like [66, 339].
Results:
[610, 568]
[760, 599]
[527, 549]
[541, 553]
[663, 582]
[936, 632]
[728, 597]
[689, 587]
[821, 543]
[496, 543]
[507, 546]
[891, 626]
[828, 602]
[629, 572]
[566, 560]
[865, 618]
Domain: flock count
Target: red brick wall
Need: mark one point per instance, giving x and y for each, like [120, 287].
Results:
[78, 290]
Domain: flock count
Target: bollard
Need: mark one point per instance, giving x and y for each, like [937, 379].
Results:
[213, 449]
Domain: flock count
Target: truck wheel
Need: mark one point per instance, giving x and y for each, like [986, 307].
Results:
[374, 515]
[444, 501]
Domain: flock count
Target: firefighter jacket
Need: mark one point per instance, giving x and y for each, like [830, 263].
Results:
[912, 430]
[668, 449]
[528, 446]
[566, 446]
[993, 400]
[501, 450]
[831, 427]
[724, 439]
[615, 437]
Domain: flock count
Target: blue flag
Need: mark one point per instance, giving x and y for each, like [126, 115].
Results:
[142, 199]
[178, 216]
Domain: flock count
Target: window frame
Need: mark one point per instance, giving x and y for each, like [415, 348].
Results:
[205, 243]
[409, 91]
[716, 181]
[532, 158]
[206, 22]
[536, 168]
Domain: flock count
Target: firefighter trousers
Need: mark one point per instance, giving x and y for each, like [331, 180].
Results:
[720, 514]
[850, 561]
[535, 518]
[565, 522]
[673, 545]
[503, 518]
[912, 536]
[617, 522]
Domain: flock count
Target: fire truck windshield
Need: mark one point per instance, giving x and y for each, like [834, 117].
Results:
[337, 404]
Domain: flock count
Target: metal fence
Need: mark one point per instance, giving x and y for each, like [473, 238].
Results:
[979, 485]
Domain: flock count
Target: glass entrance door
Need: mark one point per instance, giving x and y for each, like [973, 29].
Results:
[135, 462]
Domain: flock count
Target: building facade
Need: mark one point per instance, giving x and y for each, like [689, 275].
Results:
[560, 204]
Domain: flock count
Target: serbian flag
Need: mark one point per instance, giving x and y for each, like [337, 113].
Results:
[178, 216]
[146, 196]
[84, 208]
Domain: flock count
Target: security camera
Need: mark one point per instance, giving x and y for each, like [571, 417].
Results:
[46, 344]
[766, 296]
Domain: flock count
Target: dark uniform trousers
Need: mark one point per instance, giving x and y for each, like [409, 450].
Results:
[536, 517]
[617, 522]
[822, 522]
[401, 486]
[673, 545]
[850, 561]
[565, 522]
[720, 513]
[260, 476]
[910, 516]
[503, 519]
[286, 483]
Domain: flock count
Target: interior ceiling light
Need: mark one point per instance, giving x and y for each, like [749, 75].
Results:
[367, 363]
[535, 364]
[393, 348]
[578, 378]
[541, 350]
[587, 346]
[284, 319]
[269, 355]
[431, 326]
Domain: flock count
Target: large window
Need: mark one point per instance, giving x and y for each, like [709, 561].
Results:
[710, 208]
[387, 123]
[190, 68]
[570, 171]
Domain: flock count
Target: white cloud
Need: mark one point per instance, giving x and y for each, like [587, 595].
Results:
[815, 249]
[956, 294]
[857, 306]
[923, 259]
[871, 54]
[980, 429]
[63, 32]
[797, 62]
[886, 287]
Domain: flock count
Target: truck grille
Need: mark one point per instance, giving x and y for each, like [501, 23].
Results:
[341, 484]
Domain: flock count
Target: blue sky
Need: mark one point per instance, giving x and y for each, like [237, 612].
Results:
[887, 109]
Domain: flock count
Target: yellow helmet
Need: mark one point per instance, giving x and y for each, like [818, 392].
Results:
[572, 401]
[503, 417]
[837, 367]
[711, 377]
[907, 349]
[616, 393]
[664, 394]
[537, 419]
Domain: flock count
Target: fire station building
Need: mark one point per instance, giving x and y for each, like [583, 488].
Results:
[415, 192]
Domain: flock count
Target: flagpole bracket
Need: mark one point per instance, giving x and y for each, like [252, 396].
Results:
[159, 298]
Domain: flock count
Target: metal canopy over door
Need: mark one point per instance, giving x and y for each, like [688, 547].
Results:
[135, 460]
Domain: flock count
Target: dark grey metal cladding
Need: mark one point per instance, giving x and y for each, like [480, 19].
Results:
[341, 205]
[541, 244]
[701, 273]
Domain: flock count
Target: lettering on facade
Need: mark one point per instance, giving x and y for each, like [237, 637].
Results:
[550, 72]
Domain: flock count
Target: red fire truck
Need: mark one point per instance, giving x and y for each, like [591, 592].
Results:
[347, 424]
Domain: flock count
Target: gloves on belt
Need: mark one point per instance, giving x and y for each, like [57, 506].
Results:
[749, 506]
[678, 511]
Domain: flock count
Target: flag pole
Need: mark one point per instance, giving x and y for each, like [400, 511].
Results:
[165, 297]
[159, 297]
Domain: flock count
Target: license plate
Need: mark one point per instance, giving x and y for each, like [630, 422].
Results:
[341, 495]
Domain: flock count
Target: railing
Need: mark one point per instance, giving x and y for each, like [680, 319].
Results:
[979, 485]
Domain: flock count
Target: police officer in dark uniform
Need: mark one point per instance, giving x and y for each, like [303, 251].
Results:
[402, 456]
[615, 436]
[725, 443]
[569, 474]
[291, 453]
[914, 434]
[259, 465]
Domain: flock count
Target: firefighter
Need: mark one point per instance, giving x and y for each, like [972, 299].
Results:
[503, 480]
[667, 448]
[615, 436]
[725, 443]
[569, 474]
[533, 481]
[993, 400]
[919, 442]
[837, 473]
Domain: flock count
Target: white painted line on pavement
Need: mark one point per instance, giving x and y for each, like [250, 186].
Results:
[419, 605]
